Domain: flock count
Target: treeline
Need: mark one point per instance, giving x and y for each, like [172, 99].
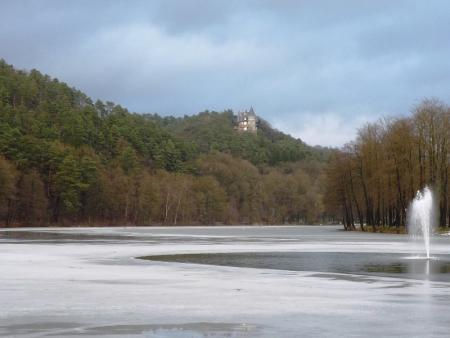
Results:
[372, 180]
[65, 159]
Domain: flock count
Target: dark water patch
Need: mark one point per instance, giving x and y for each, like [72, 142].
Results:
[59, 236]
[197, 329]
[398, 285]
[29, 328]
[371, 264]
[346, 277]
[202, 329]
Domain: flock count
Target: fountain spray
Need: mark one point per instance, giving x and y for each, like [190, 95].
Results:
[421, 215]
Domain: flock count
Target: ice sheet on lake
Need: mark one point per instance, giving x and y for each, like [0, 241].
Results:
[95, 287]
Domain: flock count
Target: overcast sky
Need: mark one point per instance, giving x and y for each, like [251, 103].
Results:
[315, 69]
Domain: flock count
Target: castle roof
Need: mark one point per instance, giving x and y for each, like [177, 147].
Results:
[246, 113]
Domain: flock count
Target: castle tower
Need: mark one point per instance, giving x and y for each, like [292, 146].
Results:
[247, 121]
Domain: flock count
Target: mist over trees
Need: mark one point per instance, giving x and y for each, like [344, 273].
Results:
[372, 180]
[65, 160]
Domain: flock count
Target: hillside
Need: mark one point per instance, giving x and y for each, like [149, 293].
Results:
[68, 160]
[213, 131]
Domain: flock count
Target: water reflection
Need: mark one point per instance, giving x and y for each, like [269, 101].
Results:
[424, 267]
[393, 265]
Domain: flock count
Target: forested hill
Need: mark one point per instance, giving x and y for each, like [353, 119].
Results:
[65, 159]
[213, 131]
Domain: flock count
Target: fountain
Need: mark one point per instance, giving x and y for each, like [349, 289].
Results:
[421, 216]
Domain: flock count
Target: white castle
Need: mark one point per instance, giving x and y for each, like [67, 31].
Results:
[247, 121]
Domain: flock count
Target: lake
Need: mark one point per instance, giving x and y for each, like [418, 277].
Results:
[240, 281]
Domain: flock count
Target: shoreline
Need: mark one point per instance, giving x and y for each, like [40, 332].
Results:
[59, 226]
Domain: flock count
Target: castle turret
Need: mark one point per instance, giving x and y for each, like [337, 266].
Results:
[247, 121]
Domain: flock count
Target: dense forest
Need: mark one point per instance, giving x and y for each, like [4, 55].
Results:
[66, 160]
[371, 181]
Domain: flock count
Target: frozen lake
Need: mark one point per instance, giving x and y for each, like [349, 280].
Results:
[221, 281]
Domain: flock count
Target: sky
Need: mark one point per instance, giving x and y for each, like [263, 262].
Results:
[317, 70]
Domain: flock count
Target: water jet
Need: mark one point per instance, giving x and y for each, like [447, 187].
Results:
[421, 215]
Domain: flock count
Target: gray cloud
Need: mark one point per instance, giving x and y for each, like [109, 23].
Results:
[316, 69]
